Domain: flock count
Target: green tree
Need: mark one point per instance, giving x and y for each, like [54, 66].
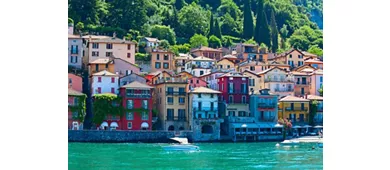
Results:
[79, 26]
[214, 42]
[193, 20]
[163, 32]
[229, 7]
[211, 27]
[164, 44]
[283, 35]
[88, 12]
[179, 4]
[185, 48]
[262, 31]
[217, 29]
[128, 14]
[274, 33]
[304, 37]
[198, 40]
[321, 91]
[250, 41]
[312, 112]
[227, 41]
[248, 21]
[70, 21]
[314, 49]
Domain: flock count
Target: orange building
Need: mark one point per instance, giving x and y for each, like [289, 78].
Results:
[162, 60]
[207, 52]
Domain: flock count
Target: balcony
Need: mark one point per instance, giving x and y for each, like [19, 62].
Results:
[278, 80]
[138, 95]
[175, 93]
[176, 118]
[266, 105]
[283, 90]
[301, 83]
[171, 80]
[241, 119]
[205, 109]
[296, 108]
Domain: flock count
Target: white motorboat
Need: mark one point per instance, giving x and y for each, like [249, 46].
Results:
[183, 146]
[289, 143]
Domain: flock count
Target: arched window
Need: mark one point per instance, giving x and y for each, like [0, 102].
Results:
[181, 128]
[207, 129]
[171, 128]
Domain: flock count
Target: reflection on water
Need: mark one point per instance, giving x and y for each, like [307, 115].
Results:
[210, 156]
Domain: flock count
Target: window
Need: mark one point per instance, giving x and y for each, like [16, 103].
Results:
[241, 113]
[243, 88]
[129, 125]
[252, 68]
[243, 99]
[301, 117]
[302, 106]
[106, 65]
[99, 79]
[130, 104]
[112, 90]
[182, 114]
[290, 55]
[181, 90]
[128, 55]
[232, 113]
[292, 106]
[145, 104]
[166, 65]
[70, 81]
[181, 100]
[108, 54]
[74, 49]
[231, 99]
[201, 72]
[145, 116]
[170, 113]
[211, 95]
[109, 46]
[99, 90]
[199, 95]
[157, 65]
[231, 88]
[96, 67]
[129, 46]
[191, 81]
[170, 100]
[95, 45]
[95, 53]
[76, 101]
[197, 81]
[251, 82]
[158, 56]
[112, 79]
[321, 79]
[166, 57]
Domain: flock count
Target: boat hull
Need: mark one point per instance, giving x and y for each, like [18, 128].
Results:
[181, 148]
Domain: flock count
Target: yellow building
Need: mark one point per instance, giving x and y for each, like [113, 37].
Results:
[100, 65]
[171, 100]
[225, 64]
[292, 57]
[254, 81]
[161, 60]
[295, 109]
[103, 47]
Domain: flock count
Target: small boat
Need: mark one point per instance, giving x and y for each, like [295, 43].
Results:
[320, 144]
[289, 143]
[183, 146]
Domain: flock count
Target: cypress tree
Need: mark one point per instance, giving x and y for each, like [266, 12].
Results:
[217, 29]
[274, 33]
[179, 4]
[211, 28]
[248, 21]
[262, 31]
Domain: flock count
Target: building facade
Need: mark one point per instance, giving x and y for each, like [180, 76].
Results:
[316, 82]
[295, 109]
[104, 82]
[111, 47]
[76, 101]
[301, 86]
[161, 60]
[137, 100]
[75, 82]
[75, 51]
[124, 68]
[101, 65]
[207, 52]
[278, 81]
[130, 78]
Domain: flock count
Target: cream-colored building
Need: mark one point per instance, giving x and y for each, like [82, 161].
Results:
[254, 81]
[171, 101]
[293, 57]
[111, 47]
[278, 81]
[161, 60]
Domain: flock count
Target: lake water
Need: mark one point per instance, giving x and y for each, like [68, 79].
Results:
[211, 156]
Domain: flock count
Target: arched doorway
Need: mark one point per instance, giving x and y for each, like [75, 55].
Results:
[171, 128]
[181, 128]
[207, 129]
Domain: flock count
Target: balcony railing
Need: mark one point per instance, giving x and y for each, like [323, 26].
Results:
[172, 80]
[283, 90]
[296, 109]
[138, 95]
[175, 93]
[302, 83]
[278, 80]
[175, 118]
[242, 119]
[205, 109]
[266, 105]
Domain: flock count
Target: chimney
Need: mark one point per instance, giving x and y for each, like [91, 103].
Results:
[305, 95]
[114, 35]
[70, 28]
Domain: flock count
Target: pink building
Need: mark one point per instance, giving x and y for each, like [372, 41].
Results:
[76, 101]
[196, 82]
[75, 82]
[123, 68]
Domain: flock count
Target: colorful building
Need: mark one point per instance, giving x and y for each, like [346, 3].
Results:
[225, 64]
[104, 82]
[254, 81]
[207, 52]
[316, 63]
[318, 116]
[181, 60]
[75, 82]
[278, 81]
[292, 57]
[295, 109]
[170, 99]
[161, 60]
[316, 82]
[301, 86]
[124, 68]
[250, 52]
[75, 50]
[76, 109]
[130, 78]
[111, 47]
[137, 100]
[203, 112]
[212, 79]
[195, 82]
[100, 65]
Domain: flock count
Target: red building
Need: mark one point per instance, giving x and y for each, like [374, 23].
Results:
[196, 82]
[138, 98]
[234, 88]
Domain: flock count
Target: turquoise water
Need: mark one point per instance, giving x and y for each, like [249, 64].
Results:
[212, 156]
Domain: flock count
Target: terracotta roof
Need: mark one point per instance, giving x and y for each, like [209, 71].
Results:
[308, 54]
[313, 61]
[288, 52]
[100, 61]
[204, 90]
[125, 61]
[229, 56]
[266, 71]
[95, 36]
[302, 67]
[317, 72]
[233, 74]
[204, 48]
[202, 58]
[299, 73]
[137, 85]
[74, 36]
[293, 99]
[72, 92]
[251, 72]
[104, 73]
[112, 40]
[152, 39]
[314, 97]
[155, 73]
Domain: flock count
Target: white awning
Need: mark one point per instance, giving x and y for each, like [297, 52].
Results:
[307, 126]
[144, 125]
[245, 125]
[104, 124]
[318, 126]
[296, 127]
[278, 126]
[114, 124]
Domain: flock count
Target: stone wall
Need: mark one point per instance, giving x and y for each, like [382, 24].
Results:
[198, 125]
[125, 136]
